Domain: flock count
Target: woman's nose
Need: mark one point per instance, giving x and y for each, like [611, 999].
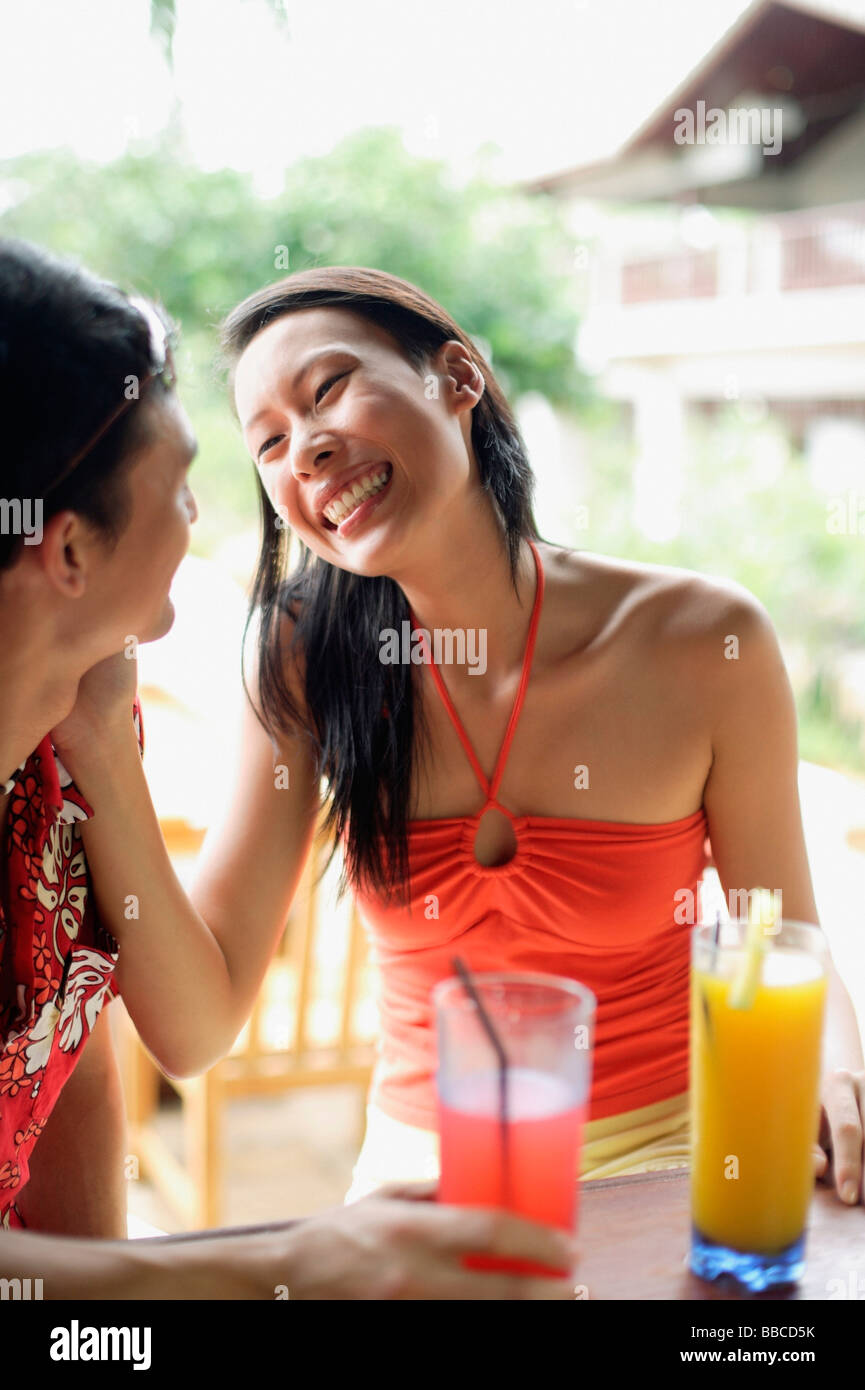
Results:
[308, 452]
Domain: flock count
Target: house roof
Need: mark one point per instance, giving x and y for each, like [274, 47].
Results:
[799, 57]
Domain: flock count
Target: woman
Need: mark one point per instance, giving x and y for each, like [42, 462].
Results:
[97, 511]
[635, 736]
[556, 823]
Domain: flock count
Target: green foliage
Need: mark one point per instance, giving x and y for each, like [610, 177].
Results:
[750, 513]
[163, 22]
[825, 736]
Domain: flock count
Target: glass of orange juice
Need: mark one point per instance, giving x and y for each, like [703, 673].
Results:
[757, 1011]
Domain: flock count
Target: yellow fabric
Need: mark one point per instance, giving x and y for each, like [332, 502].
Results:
[637, 1141]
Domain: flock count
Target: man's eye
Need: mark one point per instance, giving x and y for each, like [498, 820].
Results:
[326, 385]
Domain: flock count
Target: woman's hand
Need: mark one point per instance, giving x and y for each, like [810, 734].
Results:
[103, 707]
[755, 825]
[388, 1247]
[838, 1153]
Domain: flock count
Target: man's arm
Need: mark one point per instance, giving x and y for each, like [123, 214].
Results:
[77, 1184]
[379, 1248]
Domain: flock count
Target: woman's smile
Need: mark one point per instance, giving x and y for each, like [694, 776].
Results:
[345, 513]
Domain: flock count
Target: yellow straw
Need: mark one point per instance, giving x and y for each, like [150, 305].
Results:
[761, 920]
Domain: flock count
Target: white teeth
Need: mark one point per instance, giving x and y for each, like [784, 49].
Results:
[340, 507]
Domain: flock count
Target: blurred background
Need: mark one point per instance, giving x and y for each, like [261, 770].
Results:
[652, 221]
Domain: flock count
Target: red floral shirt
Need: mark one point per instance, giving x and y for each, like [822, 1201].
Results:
[56, 959]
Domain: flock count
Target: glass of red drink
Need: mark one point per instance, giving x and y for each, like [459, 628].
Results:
[510, 1138]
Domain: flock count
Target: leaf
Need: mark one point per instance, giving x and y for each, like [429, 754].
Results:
[163, 22]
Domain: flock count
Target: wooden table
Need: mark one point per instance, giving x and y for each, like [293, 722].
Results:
[634, 1234]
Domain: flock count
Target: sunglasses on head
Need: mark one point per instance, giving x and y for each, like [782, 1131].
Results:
[161, 355]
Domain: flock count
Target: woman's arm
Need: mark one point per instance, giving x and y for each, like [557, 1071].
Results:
[77, 1185]
[755, 825]
[189, 970]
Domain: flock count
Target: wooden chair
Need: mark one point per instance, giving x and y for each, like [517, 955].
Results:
[193, 1189]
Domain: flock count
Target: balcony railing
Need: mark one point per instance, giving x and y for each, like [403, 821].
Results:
[832, 253]
[693, 275]
[781, 254]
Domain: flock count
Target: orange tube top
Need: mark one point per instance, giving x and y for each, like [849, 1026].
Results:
[591, 900]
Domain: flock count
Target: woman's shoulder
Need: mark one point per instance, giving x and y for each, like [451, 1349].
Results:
[660, 601]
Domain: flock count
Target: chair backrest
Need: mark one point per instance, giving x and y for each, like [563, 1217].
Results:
[293, 990]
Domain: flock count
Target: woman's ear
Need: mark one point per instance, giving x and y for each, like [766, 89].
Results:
[463, 378]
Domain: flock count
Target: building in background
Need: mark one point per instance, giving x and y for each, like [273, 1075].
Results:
[724, 251]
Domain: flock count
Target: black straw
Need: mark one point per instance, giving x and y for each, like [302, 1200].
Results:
[716, 942]
[469, 986]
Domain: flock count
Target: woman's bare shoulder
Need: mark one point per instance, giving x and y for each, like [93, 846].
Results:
[661, 599]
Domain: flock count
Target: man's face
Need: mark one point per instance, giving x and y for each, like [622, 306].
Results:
[128, 585]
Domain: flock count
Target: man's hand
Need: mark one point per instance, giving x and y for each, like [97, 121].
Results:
[387, 1247]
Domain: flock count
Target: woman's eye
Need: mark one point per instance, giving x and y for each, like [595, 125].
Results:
[326, 385]
[268, 444]
[322, 391]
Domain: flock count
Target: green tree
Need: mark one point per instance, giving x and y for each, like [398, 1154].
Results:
[750, 512]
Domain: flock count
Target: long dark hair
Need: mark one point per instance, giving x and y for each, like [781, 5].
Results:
[361, 712]
[68, 344]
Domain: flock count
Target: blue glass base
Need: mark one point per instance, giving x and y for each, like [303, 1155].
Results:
[755, 1271]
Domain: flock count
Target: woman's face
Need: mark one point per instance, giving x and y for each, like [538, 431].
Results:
[326, 400]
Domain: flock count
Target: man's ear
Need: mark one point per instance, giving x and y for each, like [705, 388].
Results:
[463, 379]
[65, 553]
